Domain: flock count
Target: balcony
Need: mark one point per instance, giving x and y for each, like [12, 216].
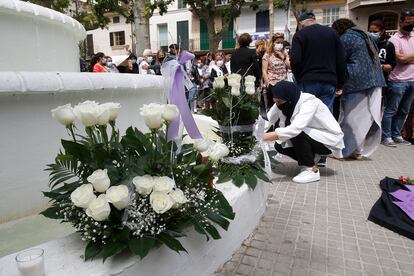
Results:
[353, 4]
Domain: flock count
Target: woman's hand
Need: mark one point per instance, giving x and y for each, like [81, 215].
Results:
[270, 136]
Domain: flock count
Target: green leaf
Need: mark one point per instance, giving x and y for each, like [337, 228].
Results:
[218, 219]
[52, 212]
[238, 180]
[251, 181]
[78, 150]
[141, 246]
[226, 102]
[92, 250]
[212, 231]
[113, 248]
[171, 242]
[225, 208]
[201, 168]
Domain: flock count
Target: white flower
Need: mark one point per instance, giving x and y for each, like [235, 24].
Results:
[143, 184]
[63, 114]
[87, 112]
[163, 184]
[100, 180]
[113, 109]
[235, 90]
[219, 82]
[234, 80]
[170, 112]
[178, 197]
[161, 202]
[250, 90]
[152, 114]
[249, 79]
[99, 208]
[218, 151]
[118, 196]
[102, 115]
[202, 145]
[83, 195]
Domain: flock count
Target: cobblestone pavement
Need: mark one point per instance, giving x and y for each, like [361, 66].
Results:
[322, 228]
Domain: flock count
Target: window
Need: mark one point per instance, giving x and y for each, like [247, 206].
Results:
[330, 15]
[89, 45]
[117, 38]
[262, 21]
[182, 34]
[115, 19]
[390, 20]
[163, 35]
[221, 2]
[182, 4]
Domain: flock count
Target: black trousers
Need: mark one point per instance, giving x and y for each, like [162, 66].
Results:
[304, 149]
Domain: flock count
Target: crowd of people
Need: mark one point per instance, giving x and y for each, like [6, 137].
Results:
[336, 89]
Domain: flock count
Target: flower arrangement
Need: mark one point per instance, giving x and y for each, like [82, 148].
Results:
[236, 109]
[133, 192]
[406, 180]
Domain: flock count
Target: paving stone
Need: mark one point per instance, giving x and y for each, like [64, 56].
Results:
[322, 228]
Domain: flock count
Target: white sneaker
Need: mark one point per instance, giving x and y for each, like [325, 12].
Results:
[307, 176]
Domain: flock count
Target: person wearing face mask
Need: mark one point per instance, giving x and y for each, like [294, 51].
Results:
[400, 95]
[386, 50]
[275, 65]
[218, 69]
[307, 129]
[98, 63]
[110, 66]
[144, 66]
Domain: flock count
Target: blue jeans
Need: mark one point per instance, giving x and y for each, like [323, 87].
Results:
[192, 93]
[322, 90]
[398, 100]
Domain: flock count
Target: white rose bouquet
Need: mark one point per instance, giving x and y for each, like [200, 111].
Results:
[135, 191]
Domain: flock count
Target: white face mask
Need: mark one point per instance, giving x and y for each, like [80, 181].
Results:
[219, 63]
[278, 46]
[109, 63]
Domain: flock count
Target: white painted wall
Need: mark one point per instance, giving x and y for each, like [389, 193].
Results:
[30, 138]
[247, 22]
[170, 19]
[101, 42]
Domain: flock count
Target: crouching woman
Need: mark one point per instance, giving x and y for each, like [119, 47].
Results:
[306, 129]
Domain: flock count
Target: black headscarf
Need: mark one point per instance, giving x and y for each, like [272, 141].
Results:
[288, 91]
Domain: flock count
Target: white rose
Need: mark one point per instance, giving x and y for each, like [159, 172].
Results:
[234, 79]
[235, 90]
[249, 79]
[63, 114]
[178, 197]
[170, 112]
[102, 115]
[113, 109]
[152, 114]
[87, 113]
[118, 196]
[100, 180]
[99, 208]
[83, 195]
[250, 90]
[161, 202]
[202, 145]
[163, 184]
[218, 151]
[218, 83]
[143, 184]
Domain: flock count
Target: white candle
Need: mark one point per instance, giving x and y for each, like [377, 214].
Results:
[31, 262]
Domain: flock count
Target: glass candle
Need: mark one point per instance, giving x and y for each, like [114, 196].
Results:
[31, 262]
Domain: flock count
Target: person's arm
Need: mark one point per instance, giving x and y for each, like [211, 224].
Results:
[390, 60]
[404, 58]
[265, 65]
[296, 56]
[287, 61]
[306, 113]
[255, 67]
[340, 62]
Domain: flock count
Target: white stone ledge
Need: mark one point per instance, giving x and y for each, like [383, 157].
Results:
[63, 257]
[14, 83]
[20, 8]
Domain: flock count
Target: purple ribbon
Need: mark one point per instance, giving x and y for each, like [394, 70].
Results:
[176, 96]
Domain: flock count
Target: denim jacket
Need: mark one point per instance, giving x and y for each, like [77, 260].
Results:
[362, 72]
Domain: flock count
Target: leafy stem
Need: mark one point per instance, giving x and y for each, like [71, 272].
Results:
[70, 127]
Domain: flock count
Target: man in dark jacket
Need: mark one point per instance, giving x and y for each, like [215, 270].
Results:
[243, 60]
[317, 59]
